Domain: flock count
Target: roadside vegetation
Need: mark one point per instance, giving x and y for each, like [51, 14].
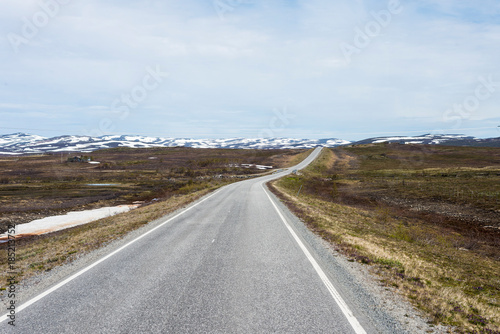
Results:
[425, 218]
[162, 180]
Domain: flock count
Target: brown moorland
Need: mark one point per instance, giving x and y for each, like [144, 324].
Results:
[425, 218]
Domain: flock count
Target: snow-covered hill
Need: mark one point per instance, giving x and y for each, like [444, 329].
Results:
[20, 143]
[423, 139]
[428, 139]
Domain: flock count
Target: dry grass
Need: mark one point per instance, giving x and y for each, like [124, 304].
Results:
[295, 159]
[452, 275]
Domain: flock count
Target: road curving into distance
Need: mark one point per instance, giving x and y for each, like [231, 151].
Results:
[236, 261]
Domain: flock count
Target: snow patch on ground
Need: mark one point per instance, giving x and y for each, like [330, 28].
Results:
[74, 218]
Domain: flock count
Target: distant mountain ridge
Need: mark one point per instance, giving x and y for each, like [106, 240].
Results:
[22, 143]
[434, 139]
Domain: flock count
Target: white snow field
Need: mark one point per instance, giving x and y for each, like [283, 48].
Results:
[74, 218]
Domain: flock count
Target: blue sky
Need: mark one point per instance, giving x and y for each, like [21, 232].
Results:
[348, 69]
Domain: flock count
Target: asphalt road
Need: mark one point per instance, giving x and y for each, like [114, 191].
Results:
[235, 262]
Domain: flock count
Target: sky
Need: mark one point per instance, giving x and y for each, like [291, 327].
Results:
[348, 69]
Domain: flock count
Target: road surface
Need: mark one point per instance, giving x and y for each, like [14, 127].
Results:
[236, 261]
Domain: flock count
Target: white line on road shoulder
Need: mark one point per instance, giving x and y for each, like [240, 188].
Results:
[69, 279]
[358, 329]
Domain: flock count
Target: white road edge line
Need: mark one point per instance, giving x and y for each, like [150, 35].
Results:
[72, 277]
[358, 329]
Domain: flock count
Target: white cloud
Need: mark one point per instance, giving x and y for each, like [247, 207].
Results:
[261, 56]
